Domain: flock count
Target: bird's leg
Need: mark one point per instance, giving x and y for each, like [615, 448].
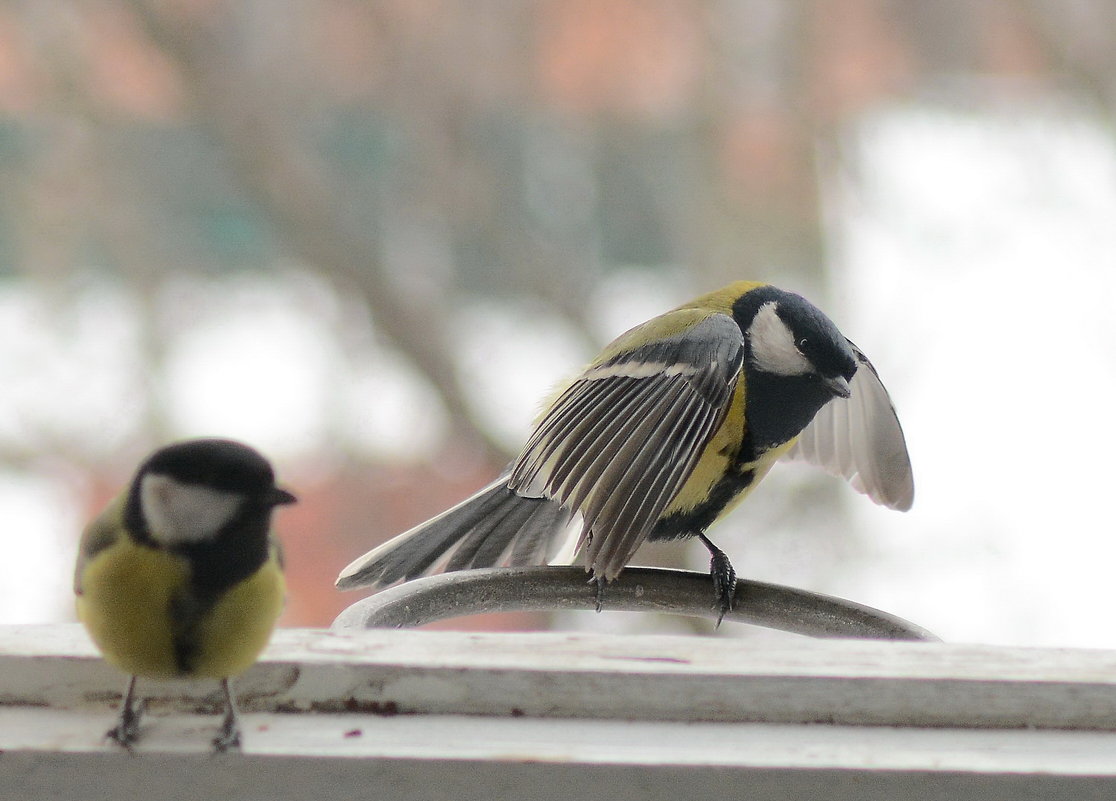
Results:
[230, 727]
[600, 581]
[126, 732]
[724, 577]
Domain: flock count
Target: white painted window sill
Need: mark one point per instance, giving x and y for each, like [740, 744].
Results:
[444, 715]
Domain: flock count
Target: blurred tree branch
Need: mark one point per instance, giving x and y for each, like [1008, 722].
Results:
[295, 189]
[77, 186]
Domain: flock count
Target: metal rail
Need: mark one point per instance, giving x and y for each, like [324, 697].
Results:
[638, 589]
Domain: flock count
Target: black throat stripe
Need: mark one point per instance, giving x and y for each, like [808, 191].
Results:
[240, 549]
[695, 521]
[777, 408]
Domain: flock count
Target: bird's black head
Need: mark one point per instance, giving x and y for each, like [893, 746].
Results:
[796, 361]
[192, 491]
[217, 464]
[786, 335]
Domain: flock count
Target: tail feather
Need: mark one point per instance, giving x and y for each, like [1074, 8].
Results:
[416, 554]
[496, 544]
[534, 545]
[495, 526]
[485, 541]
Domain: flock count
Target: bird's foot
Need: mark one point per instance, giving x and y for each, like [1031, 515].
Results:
[724, 578]
[229, 736]
[126, 732]
[600, 582]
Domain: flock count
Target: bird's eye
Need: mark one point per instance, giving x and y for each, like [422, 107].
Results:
[802, 344]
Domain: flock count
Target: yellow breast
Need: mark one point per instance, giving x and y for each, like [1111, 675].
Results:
[723, 448]
[125, 603]
[232, 635]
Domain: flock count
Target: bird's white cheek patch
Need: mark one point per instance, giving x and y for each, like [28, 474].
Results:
[773, 348]
[181, 513]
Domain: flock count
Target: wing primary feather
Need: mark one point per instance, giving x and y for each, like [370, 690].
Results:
[642, 492]
[628, 462]
[599, 427]
[861, 440]
[805, 445]
[577, 423]
[576, 451]
[566, 414]
[689, 446]
[569, 409]
[590, 475]
[632, 458]
[863, 434]
[837, 411]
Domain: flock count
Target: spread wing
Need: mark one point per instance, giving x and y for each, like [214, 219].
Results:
[618, 444]
[859, 438]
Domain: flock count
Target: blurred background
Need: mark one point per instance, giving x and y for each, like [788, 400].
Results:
[368, 237]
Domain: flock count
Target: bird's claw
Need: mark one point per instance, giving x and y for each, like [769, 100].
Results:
[724, 578]
[600, 582]
[230, 728]
[127, 730]
[229, 738]
[724, 583]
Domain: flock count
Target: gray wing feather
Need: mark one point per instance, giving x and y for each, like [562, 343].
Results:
[860, 439]
[613, 450]
[620, 442]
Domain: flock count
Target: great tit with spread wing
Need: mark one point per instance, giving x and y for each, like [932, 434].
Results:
[668, 429]
[180, 576]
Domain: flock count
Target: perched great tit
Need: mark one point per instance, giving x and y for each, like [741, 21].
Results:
[180, 577]
[671, 426]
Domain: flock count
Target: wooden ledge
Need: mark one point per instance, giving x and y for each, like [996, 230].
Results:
[468, 715]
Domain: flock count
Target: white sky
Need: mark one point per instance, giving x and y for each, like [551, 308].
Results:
[975, 266]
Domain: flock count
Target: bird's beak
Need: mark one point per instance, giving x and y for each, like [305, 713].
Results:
[280, 497]
[838, 385]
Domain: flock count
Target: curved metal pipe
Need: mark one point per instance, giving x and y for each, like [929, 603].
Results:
[637, 589]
